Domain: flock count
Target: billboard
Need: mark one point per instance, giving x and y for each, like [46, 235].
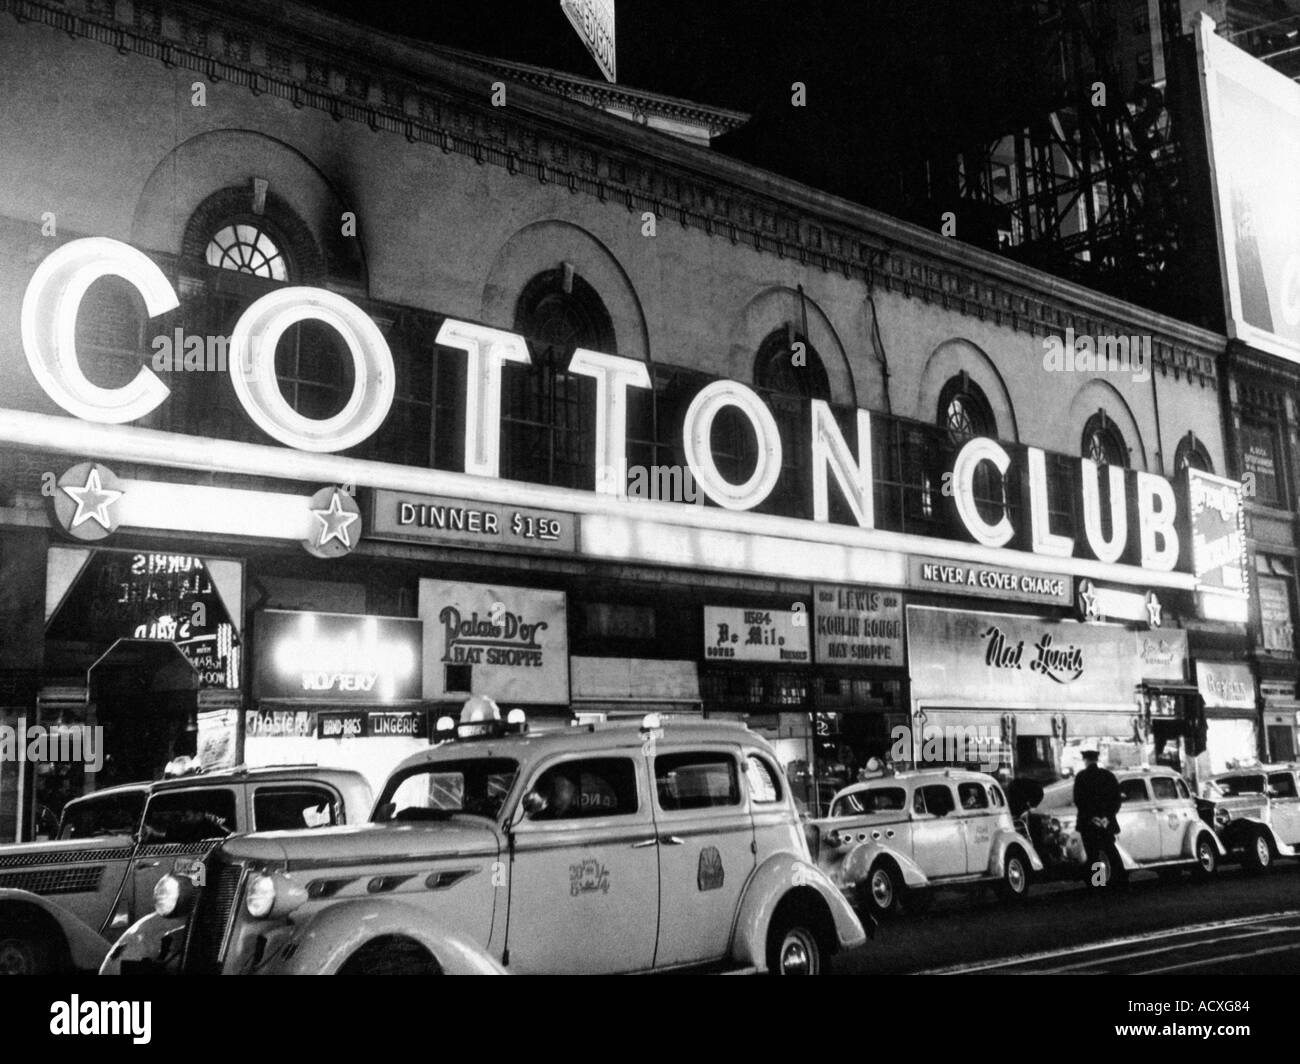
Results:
[594, 22]
[1252, 117]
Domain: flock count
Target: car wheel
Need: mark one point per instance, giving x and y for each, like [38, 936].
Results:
[1014, 884]
[391, 956]
[23, 954]
[882, 890]
[794, 949]
[1207, 858]
[1259, 853]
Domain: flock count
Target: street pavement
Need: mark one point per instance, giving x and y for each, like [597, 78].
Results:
[1233, 923]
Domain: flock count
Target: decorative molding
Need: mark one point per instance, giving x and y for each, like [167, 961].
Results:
[552, 139]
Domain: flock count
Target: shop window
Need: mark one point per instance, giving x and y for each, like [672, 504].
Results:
[696, 781]
[599, 787]
[1191, 454]
[189, 816]
[1103, 442]
[293, 808]
[1261, 463]
[1274, 580]
[548, 413]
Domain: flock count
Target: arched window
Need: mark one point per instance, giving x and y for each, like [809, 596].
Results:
[1103, 442]
[964, 410]
[1191, 454]
[247, 247]
[548, 413]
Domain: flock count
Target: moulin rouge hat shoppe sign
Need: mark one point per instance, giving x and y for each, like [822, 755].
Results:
[1142, 507]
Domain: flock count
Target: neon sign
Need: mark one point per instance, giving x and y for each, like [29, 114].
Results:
[49, 315]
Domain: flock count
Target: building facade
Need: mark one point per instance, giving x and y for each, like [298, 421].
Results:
[344, 377]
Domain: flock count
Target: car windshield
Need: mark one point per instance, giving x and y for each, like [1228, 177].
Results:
[116, 814]
[1235, 785]
[874, 800]
[435, 791]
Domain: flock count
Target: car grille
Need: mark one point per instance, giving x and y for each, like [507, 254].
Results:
[214, 910]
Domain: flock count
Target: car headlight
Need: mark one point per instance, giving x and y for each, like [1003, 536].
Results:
[272, 894]
[168, 894]
[1221, 816]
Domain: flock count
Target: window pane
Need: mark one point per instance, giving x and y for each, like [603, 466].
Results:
[973, 796]
[290, 809]
[696, 780]
[190, 816]
[600, 787]
[116, 815]
[1163, 788]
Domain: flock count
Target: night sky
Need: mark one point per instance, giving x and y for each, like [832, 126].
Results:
[889, 82]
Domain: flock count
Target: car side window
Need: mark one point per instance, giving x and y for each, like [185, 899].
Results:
[116, 814]
[1133, 790]
[293, 808]
[973, 796]
[1183, 791]
[696, 780]
[938, 800]
[1283, 784]
[190, 816]
[597, 787]
[764, 781]
[999, 799]
[1163, 788]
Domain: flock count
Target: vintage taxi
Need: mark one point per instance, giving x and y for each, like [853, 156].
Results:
[1256, 813]
[64, 901]
[646, 846]
[889, 842]
[1159, 829]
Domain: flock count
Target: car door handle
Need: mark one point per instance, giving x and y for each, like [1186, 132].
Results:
[644, 843]
[147, 864]
[671, 840]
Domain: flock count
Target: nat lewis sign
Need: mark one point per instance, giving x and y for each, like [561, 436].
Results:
[426, 518]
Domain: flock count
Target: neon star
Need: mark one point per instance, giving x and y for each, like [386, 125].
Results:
[1088, 600]
[334, 523]
[1153, 610]
[93, 501]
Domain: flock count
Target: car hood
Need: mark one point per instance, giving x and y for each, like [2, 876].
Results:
[363, 843]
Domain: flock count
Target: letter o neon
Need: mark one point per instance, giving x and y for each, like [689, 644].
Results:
[698, 428]
[252, 369]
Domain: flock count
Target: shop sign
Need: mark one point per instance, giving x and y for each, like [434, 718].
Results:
[1225, 685]
[336, 657]
[1277, 628]
[431, 519]
[858, 625]
[776, 636]
[398, 725]
[1162, 655]
[1218, 518]
[510, 643]
[981, 659]
[277, 724]
[342, 725]
[987, 581]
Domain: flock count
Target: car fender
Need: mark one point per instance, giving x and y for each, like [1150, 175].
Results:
[1239, 831]
[85, 946]
[1002, 842]
[768, 886]
[325, 940]
[859, 861]
[1193, 835]
[142, 944]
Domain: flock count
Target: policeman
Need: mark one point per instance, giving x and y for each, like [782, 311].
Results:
[1097, 799]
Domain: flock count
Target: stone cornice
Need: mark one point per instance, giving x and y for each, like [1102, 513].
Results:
[392, 84]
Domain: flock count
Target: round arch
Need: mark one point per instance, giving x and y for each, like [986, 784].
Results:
[1095, 396]
[949, 360]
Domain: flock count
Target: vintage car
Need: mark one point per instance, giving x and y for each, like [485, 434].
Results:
[593, 849]
[1159, 829]
[64, 901]
[1256, 812]
[889, 841]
